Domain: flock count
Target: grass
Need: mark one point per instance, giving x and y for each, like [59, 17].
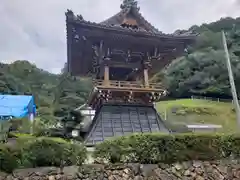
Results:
[188, 111]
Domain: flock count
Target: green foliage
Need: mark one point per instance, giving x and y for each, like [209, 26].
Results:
[159, 148]
[48, 152]
[8, 159]
[225, 24]
[24, 125]
[4, 129]
[30, 152]
[200, 73]
[203, 70]
[55, 95]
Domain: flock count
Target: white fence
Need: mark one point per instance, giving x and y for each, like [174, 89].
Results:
[212, 99]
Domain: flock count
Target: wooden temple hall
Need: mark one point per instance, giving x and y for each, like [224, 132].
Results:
[121, 54]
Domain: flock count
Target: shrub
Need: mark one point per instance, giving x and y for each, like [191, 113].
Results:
[21, 139]
[38, 152]
[76, 154]
[159, 148]
[22, 125]
[21, 135]
[8, 159]
[51, 152]
[112, 150]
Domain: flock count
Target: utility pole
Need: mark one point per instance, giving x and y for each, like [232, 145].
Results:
[231, 79]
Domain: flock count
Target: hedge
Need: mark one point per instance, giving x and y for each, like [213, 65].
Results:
[159, 148]
[8, 159]
[38, 152]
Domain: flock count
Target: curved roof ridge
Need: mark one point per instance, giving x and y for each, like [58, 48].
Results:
[118, 18]
[115, 17]
[147, 22]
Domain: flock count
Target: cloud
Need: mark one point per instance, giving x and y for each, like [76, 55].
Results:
[35, 30]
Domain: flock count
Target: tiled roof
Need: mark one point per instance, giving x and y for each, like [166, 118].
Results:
[122, 14]
[71, 18]
[116, 120]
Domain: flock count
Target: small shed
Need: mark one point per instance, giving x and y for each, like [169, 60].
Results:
[14, 106]
[17, 106]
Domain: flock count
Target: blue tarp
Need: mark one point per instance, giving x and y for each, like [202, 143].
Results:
[18, 106]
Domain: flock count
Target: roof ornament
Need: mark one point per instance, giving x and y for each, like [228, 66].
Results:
[130, 4]
[80, 17]
[69, 14]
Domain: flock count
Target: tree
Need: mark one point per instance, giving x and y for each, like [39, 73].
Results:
[203, 71]
[55, 95]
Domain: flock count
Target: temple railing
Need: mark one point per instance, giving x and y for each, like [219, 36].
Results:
[127, 85]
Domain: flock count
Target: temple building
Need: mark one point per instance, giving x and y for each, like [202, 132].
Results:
[120, 54]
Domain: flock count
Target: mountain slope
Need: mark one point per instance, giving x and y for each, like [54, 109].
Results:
[203, 70]
[55, 95]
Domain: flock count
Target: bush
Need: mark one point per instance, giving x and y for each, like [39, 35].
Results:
[21, 139]
[30, 152]
[8, 159]
[51, 152]
[159, 148]
[22, 125]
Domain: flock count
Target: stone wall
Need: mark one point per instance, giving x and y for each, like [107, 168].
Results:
[217, 170]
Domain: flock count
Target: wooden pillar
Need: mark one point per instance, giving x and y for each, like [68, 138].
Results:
[146, 66]
[145, 76]
[106, 75]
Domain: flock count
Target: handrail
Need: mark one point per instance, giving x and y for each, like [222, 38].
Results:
[127, 84]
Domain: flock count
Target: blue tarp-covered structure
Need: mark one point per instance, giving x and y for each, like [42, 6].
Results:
[17, 106]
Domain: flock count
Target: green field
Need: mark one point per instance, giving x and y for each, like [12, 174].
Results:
[188, 111]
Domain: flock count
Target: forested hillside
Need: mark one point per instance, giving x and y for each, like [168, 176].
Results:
[54, 94]
[202, 70]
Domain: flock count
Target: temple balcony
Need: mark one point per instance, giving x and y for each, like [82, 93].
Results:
[125, 92]
[128, 86]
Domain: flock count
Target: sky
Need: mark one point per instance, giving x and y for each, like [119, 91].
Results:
[36, 31]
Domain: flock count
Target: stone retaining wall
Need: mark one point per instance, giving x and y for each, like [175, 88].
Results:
[217, 170]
